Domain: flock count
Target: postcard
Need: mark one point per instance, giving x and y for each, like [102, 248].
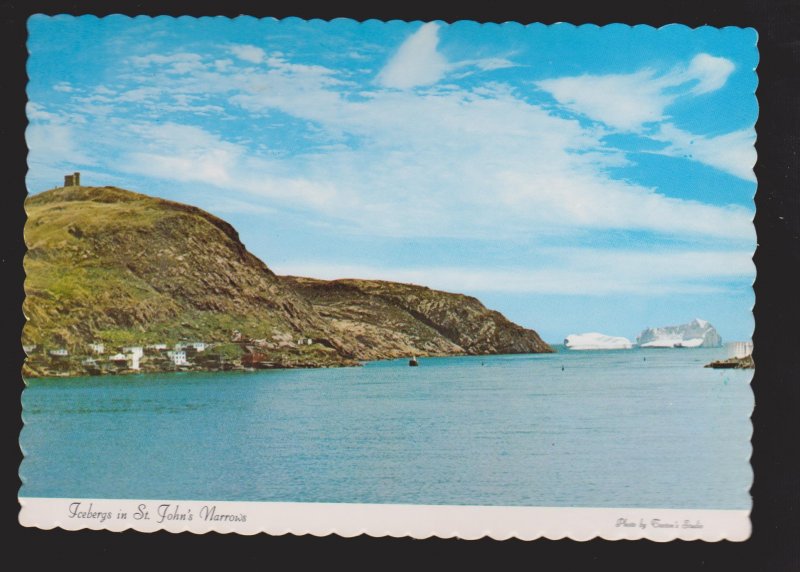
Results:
[389, 278]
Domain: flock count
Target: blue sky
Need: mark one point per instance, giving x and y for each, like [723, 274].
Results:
[576, 179]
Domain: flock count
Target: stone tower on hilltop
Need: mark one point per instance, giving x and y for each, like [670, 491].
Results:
[73, 180]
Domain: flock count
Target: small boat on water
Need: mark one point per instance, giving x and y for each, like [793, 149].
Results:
[413, 361]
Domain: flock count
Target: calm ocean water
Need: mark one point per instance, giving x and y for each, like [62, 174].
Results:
[613, 429]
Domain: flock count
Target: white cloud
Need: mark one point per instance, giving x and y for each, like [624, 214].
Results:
[488, 64]
[53, 146]
[222, 64]
[482, 163]
[36, 112]
[586, 272]
[638, 102]
[710, 72]
[176, 152]
[182, 153]
[138, 95]
[622, 101]
[732, 153]
[417, 62]
[248, 53]
[64, 87]
[177, 63]
[587, 200]
[629, 101]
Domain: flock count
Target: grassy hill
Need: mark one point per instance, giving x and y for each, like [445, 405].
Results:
[109, 265]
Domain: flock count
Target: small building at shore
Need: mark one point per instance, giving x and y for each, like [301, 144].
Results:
[178, 357]
[97, 348]
[191, 346]
[253, 357]
[739, 349]
[119, 360]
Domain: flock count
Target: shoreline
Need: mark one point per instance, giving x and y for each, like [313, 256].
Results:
[241, 369]
[731, 363]
[133, 373]
[332, 365]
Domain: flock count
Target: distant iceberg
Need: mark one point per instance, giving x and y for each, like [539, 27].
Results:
[696, 334]
[595, 341]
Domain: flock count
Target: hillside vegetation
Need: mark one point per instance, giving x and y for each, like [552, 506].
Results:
[109, 265]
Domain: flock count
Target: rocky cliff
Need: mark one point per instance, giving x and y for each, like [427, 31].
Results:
[105, 264]
[388, 319]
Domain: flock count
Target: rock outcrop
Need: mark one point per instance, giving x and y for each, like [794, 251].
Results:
[109, 265]
[745, 362]
[389, 319]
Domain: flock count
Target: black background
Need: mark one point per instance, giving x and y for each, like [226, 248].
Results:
[775, 543]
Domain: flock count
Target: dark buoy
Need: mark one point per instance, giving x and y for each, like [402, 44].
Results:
[413, 362]
[562, 368]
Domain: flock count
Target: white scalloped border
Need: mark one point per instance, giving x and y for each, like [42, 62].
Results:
[416, 521]
[378, 520]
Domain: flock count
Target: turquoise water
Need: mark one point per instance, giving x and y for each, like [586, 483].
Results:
[647, 428]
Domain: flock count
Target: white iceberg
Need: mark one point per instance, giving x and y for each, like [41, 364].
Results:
[696, 334]
[596, 341]
[693, 343]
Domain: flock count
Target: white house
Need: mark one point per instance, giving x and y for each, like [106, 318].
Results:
[138, 351]
[97, 348]
[29, 348]
[60, 352]
[305, 342]
[197, 346]
[739, 349]
[179, 358]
